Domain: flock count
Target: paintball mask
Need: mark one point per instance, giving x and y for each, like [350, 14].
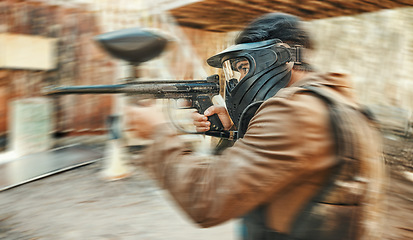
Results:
[254, 72]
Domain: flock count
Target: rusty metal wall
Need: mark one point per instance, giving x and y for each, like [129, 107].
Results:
[79, 61]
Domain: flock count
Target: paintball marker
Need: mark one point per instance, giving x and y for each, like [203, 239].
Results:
[137, 46]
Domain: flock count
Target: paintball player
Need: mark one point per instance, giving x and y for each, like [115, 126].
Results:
[306, 164]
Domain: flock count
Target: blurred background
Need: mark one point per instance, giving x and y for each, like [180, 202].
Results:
[50, 42]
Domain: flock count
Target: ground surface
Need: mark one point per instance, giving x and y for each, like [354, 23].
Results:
[78, 204]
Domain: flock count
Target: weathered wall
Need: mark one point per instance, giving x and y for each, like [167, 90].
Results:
[79, 61]
[207, 44]
[375, 48]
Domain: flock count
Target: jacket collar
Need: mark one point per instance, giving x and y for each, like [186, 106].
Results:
[338, 82]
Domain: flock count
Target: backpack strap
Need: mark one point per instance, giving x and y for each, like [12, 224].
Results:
[342, 138]
[306, 226]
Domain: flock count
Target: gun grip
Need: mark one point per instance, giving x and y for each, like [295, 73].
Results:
[204, 102]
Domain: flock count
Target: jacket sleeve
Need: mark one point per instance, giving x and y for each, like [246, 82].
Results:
[273, 155]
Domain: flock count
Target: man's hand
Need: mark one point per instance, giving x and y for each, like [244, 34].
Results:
[201, 121]
[143, 120]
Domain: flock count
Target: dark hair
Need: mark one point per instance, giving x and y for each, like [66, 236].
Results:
[286, 27]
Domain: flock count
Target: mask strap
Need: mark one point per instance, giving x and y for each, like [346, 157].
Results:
[296, 54]
[297, 57]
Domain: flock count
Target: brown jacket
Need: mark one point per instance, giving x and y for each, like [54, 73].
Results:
[283, 159]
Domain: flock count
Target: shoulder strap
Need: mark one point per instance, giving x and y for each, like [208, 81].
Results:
[346, 153]
[338, 122]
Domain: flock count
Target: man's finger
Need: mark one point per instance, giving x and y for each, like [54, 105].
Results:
[215, 110]
[202, 129]
[198, 117]
[202, 124]
[210, 111]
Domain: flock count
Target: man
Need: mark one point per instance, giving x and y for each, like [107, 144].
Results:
[306, 164]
